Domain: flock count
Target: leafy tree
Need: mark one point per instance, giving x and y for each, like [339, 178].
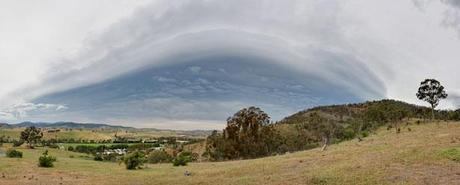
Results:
[217, 148]
[31, 135]
[245, 130]
[248, 134]
[431, 91]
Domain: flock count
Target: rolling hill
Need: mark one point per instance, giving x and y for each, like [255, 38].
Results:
[357, 111]
[65, 125]
[428, 154]
[93, 131]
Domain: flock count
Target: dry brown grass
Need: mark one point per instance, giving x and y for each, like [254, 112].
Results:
[411, 157]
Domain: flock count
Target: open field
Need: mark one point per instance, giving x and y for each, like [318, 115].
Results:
[411, 157]
[100, 134]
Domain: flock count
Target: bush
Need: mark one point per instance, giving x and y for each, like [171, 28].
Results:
[134, 160]
[98, 157]
[191, 156]
[12, 153]
[54, 145]
[18, 143]
[111, 157]
[181, 161]
[85, 149]
[46, 160]
[159, 157]
[70, 148]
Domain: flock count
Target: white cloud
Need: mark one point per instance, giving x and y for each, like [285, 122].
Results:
[36, 35]
[21, 111]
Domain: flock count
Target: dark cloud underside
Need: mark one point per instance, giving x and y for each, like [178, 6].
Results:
[209, 88]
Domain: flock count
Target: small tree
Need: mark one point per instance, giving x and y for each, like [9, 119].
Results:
[31, 135]
[431, 91]
[134, 160]
[46, 160]
[181, 160]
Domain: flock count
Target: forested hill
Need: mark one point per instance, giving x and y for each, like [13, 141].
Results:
[372, 111]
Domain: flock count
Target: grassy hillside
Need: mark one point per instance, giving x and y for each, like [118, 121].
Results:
[425, 155]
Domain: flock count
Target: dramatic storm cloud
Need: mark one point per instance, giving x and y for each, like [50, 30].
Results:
[190, 64]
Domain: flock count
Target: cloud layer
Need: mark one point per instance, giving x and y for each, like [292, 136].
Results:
[191, 63]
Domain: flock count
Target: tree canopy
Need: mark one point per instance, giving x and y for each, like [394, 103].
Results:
[431, 91]
[31, 135]
[248, 134]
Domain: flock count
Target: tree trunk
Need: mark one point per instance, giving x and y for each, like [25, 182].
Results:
[326, 142]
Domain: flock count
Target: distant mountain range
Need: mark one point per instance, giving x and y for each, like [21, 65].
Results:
[74, 125]
[63, 125]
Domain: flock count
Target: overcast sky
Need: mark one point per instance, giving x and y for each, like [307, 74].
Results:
[190, 64]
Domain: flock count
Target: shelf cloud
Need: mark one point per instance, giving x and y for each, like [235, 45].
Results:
[190, 64]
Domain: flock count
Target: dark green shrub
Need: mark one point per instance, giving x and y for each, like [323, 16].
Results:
[12, 153]
[46, 160]
[159, 157]
[70, 148]
[54, 145]
[191, 156]
[134, 160]
[87, 149]
[348, 133]
[98, 157]
[181, 161]
[18, 143]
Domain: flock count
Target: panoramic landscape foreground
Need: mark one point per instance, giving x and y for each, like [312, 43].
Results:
[428, 154]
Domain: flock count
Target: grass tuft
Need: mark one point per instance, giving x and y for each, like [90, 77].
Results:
[452, 154]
